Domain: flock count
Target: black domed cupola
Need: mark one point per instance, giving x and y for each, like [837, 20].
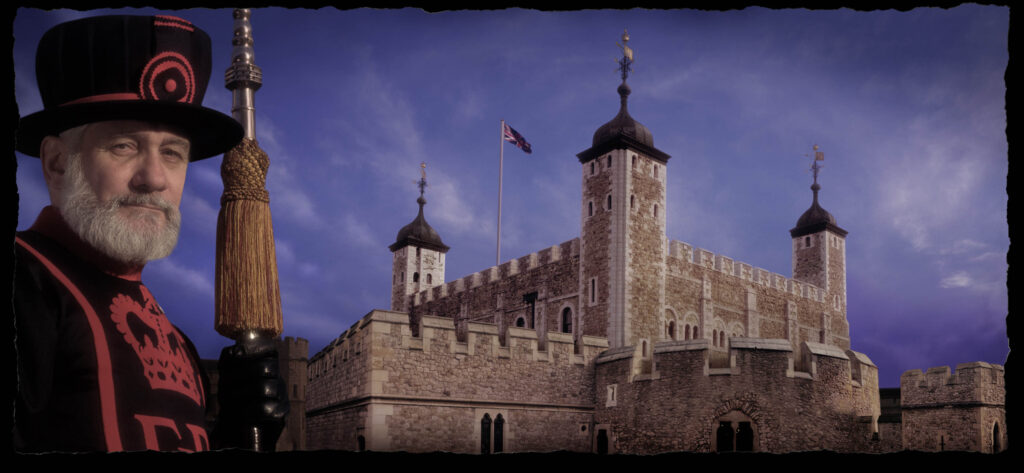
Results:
[623, 131]
[816, 218]
[419, 233]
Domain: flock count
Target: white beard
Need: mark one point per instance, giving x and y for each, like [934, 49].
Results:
[144, 236]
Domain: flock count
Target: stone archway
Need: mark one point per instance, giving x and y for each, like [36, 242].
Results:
[736, 425]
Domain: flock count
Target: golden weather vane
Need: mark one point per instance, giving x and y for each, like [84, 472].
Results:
[626, 63]
[423, 178]
[816, 156]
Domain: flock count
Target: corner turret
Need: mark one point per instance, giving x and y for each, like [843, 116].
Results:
[417, 256]
[819, 247]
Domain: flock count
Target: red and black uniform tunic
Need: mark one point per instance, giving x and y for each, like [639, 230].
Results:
[100, 368]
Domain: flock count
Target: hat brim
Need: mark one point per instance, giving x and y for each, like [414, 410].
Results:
[210, 132]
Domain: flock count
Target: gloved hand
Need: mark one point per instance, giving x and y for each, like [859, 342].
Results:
[251, 394]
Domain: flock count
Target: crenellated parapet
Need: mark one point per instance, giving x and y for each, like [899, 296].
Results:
[751, 357]
[682, 252]
[962, 410]
[532, 262]
[976, 383]
[380, 356]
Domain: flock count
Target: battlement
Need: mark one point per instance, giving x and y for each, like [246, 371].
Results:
[438, 334]
[291, 347]
[379, 356]
[530, 262]
[687, 253]
[748, 357]
[972, 384]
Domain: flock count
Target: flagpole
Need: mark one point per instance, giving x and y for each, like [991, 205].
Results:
[501, 163]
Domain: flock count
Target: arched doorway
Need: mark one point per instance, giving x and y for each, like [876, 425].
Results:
[735, 431]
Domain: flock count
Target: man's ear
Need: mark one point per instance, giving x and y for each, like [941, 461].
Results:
[54, 155]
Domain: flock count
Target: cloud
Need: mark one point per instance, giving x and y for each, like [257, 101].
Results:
[960, 279]
[190, 280]
[962, 246]
[199, 214]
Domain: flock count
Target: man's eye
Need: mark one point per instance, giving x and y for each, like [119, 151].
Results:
[174, 154]
[122, 148]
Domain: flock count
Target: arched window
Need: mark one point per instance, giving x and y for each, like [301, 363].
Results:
[632, 201]
[567, 320]
[430, 278]
[590, 209]
[609, 160]
[591, 168]
[686, 332]
[807, 242]
[655, 170]
[520, 322]
[643, 348]
[634, 161]
[485, 434]
[499, 430]
[672, 329]
[714, 337]
[655, 210]
[995, 438]
[415, 277]
[721, 339]
[609, 201]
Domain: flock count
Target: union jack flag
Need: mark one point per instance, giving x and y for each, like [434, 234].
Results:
[513, 136]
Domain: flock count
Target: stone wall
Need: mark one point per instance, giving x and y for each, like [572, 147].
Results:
[495, 295]
[747, 301]
[678, 406]
[954, 411]
[645, 251]
[427, 392]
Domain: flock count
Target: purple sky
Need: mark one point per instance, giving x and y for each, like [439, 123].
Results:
[907, 106]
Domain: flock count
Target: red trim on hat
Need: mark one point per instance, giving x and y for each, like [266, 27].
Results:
[173, 22]
[104, 98]
[108, 406]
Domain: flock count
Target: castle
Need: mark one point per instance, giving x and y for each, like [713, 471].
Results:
[622, 340]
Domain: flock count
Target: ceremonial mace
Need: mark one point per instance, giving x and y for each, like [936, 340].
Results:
[248, 299]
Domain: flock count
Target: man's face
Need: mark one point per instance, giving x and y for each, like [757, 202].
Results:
[121, 188]
[123, 158]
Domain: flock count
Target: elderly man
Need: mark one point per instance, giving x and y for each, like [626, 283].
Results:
[100, 367]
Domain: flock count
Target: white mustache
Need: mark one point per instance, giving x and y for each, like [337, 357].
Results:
[148, 200]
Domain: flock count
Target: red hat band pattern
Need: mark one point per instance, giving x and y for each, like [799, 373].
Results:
[168, 76]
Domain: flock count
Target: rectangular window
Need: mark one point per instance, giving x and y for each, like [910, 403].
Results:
[593, 290]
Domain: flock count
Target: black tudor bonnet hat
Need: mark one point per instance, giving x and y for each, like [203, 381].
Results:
[149, 68]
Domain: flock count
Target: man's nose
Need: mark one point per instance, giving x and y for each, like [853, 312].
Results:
[150, 173]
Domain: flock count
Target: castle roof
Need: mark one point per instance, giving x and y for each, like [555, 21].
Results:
[815, 219]
[621, 132]
[419, 233]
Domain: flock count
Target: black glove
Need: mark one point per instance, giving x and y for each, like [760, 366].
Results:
[251, 394]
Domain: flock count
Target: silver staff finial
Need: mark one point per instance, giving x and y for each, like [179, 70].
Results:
[243, 77]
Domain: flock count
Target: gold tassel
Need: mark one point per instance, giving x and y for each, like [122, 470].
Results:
[247, 292]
